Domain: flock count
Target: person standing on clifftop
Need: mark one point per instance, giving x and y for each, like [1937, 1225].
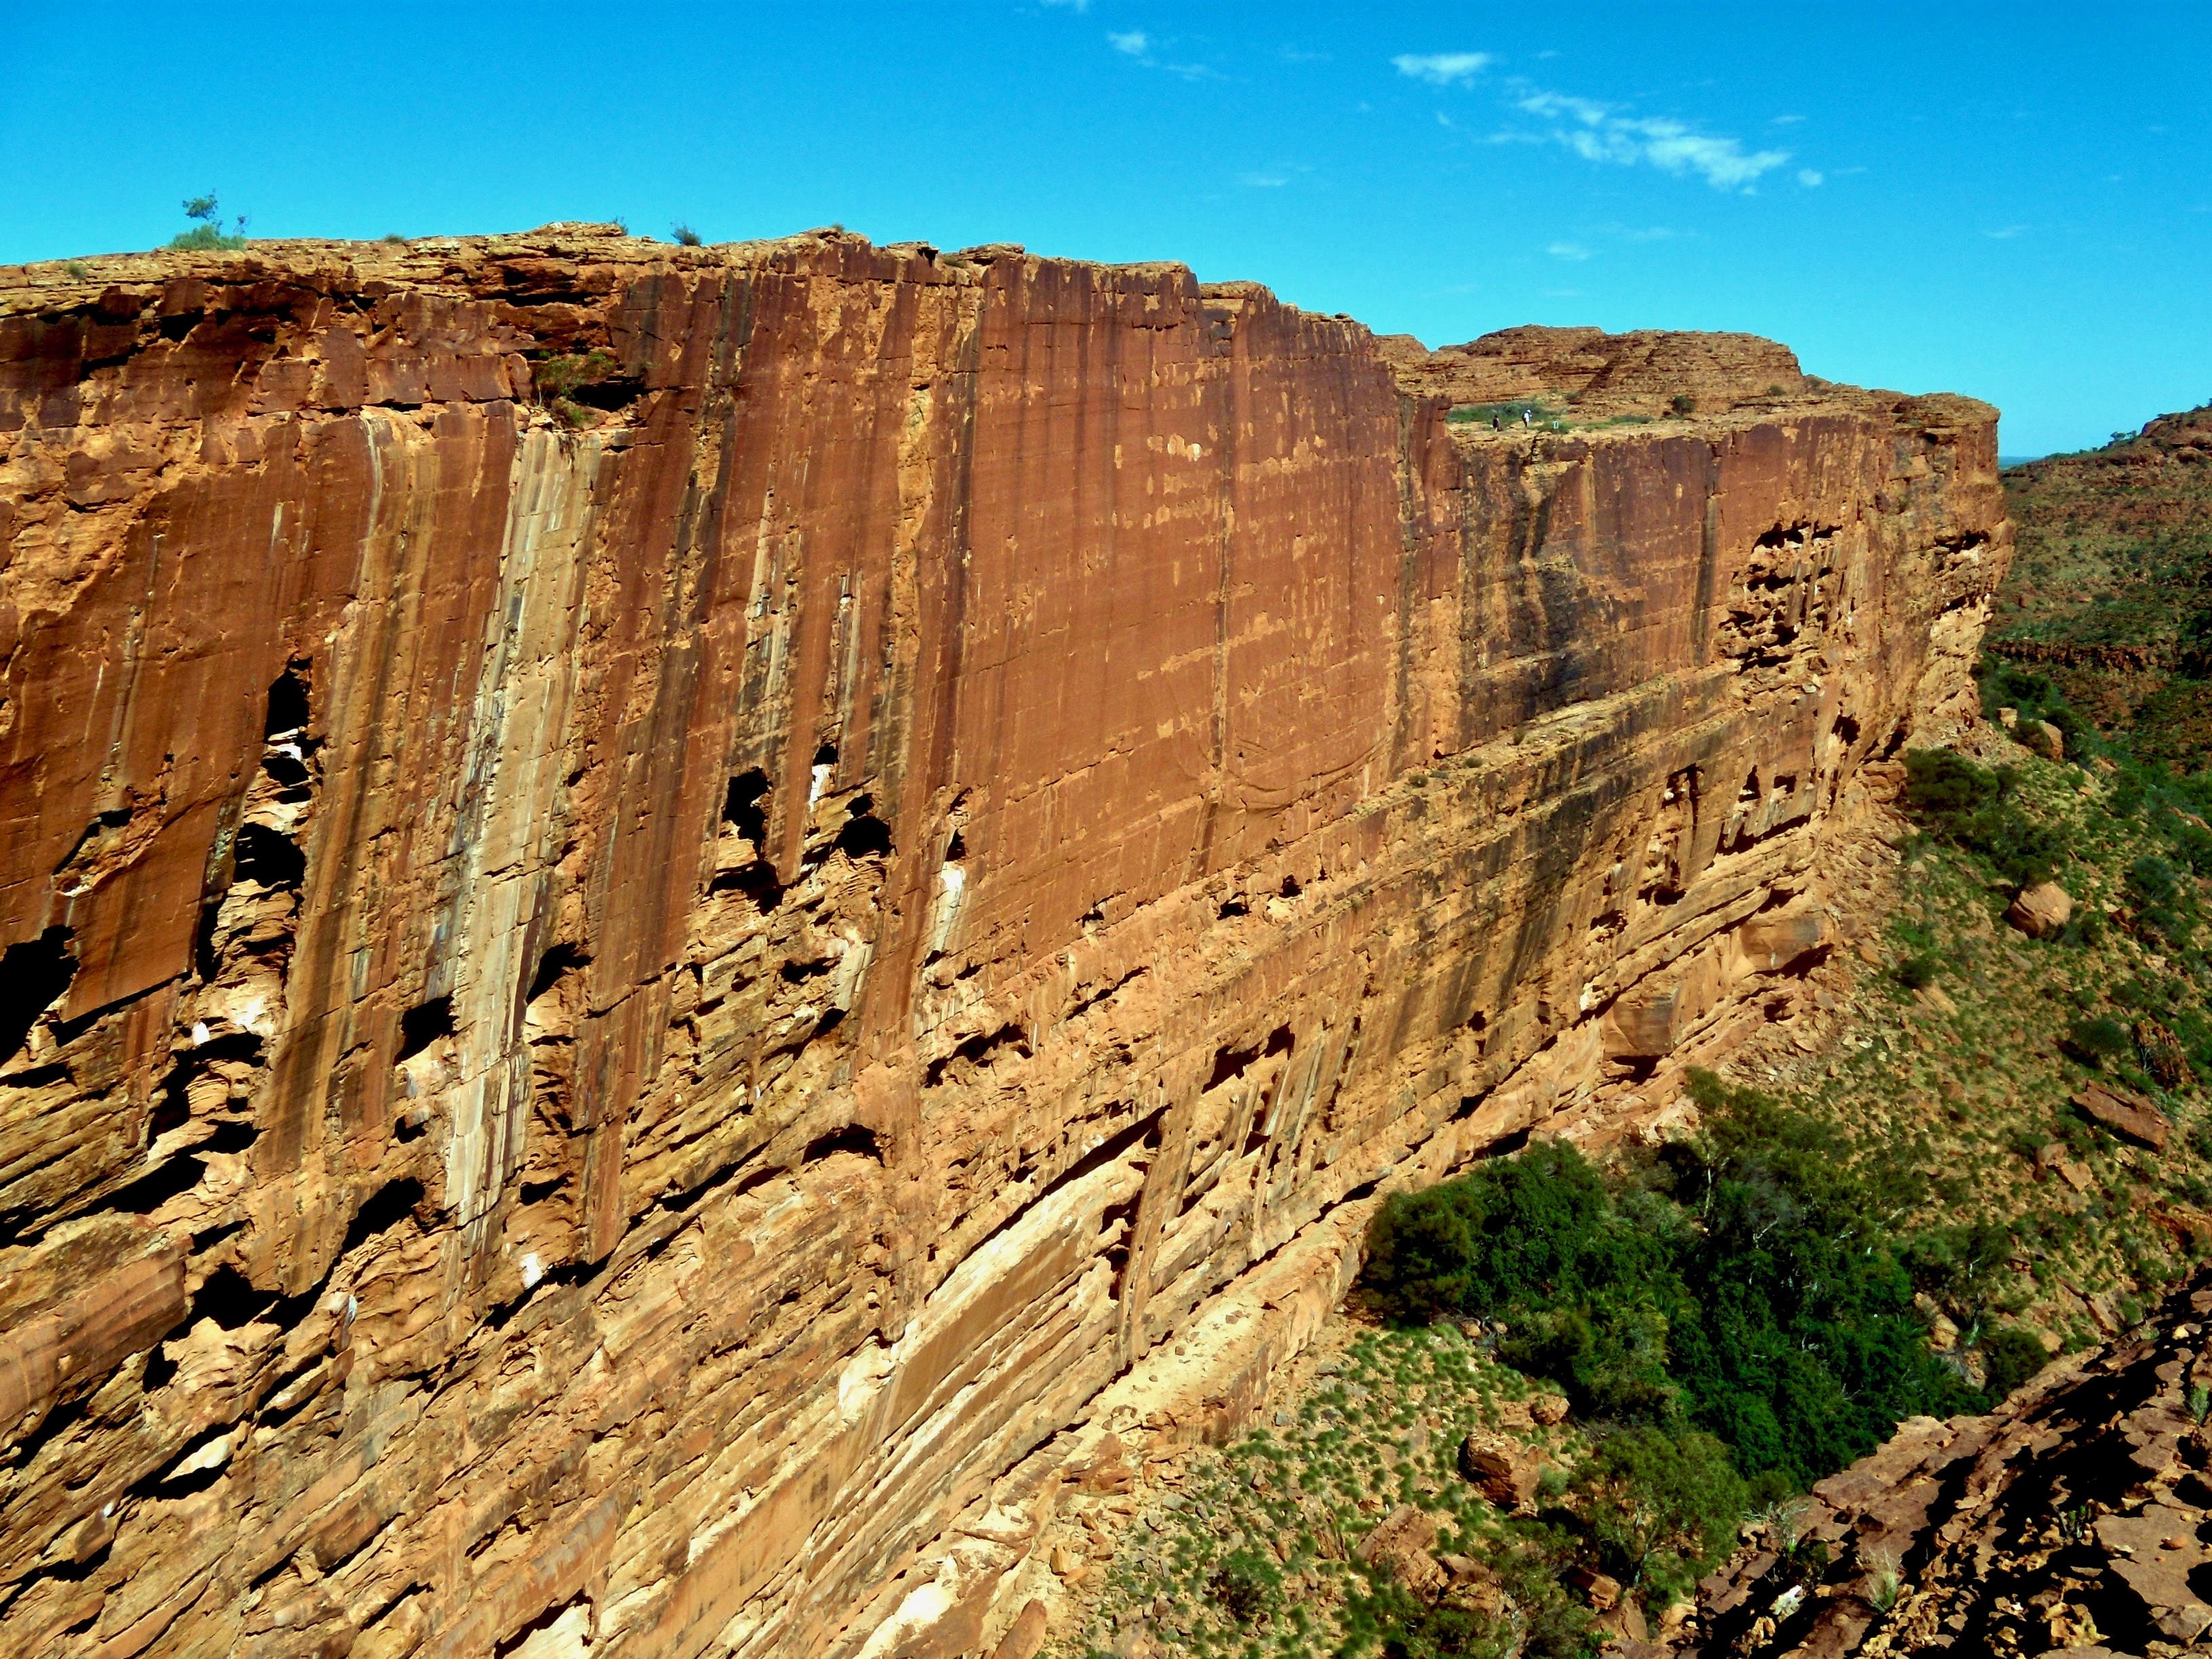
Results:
[1496, 425]
[1525, 420]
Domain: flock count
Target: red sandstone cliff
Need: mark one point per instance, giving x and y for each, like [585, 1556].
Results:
[643, 1014]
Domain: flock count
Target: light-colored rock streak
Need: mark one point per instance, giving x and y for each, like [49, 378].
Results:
[511, 820]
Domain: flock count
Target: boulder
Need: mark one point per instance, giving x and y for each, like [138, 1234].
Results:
[2126, 1113]
[1400, 1545]
[1626, 1624]
[1602, 1592]
[1024, 1637]
[2041, 738]
[1471, 1586]
[1505, 1472]
[2041, 911]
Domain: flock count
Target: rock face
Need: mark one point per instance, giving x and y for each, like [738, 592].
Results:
[683, 925]
[1642, 373]
[2072, 1519]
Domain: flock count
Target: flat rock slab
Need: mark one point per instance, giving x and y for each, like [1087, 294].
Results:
[2126, 1113]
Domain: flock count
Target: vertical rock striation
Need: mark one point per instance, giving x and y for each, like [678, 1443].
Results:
[681, 925]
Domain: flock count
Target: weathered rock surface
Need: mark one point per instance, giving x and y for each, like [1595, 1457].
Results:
[682, 926]
[2041, 911]
[1398, 1546]
[2075, 1519]
[1505, 1470]
[2126, 1113]
[1639, 372]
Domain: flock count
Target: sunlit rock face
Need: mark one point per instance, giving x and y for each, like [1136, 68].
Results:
[683, 924]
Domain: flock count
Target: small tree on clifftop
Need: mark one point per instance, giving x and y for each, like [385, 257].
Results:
[207, 230]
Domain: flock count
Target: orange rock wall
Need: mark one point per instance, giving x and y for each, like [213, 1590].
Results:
[634, 1022]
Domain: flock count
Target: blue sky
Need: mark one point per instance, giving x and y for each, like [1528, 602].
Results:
[2011, 201]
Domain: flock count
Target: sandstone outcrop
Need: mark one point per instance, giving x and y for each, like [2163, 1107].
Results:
[2072, 1519]
[1640, 373]
[683, 926]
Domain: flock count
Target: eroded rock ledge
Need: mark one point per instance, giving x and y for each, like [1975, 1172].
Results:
[2069, 1521]
[641, 1018]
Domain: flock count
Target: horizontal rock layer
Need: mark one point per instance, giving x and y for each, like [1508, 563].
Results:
[674, 917]
[1639, 372]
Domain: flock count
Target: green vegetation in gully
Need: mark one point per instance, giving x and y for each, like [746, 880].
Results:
[1910, 1221]
[1742, 1283]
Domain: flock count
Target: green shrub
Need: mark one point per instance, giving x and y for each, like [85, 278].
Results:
[1916, 971]
[557, 378]
[1974, 807]
[1662, 1506]
[2099, 1040]
[2036, 697]
[1552, 1624]
[2084, 929]
[1748, 1284]
[1514, 1229]
[2162, 899]
[1244, 1584]
[684, 235]
[206, 233]
[1958, 1261]
[1683, 403]
[2010, 1355]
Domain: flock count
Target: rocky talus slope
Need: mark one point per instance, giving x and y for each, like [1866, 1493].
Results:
[2076, 1520]
[2112, 595]
[676, 919]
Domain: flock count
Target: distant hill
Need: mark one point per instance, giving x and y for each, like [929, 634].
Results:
[2111, 591]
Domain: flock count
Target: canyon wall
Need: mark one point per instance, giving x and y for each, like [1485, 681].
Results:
[683, 925]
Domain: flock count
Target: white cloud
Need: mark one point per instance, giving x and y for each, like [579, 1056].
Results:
[1071, 5]
[1443, 69]
[2005, 234]
[1135, 43]
[1594, 132]
[1786, 121]
[1556, 104]
[1567, 251]
[1810, 179]
[1262, 180]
